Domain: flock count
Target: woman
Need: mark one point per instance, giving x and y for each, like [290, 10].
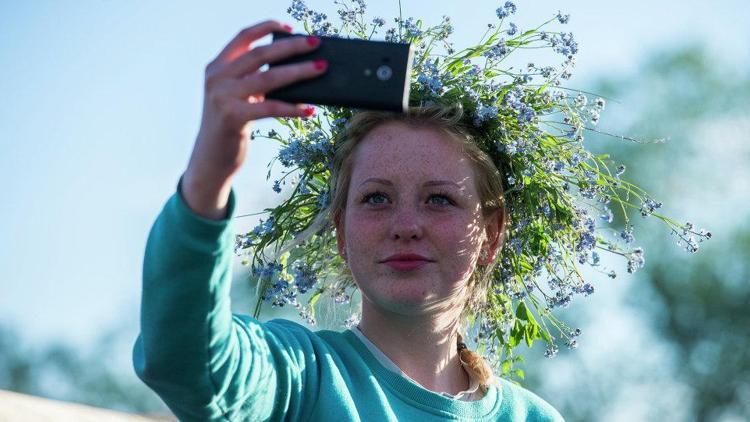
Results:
[418, 213]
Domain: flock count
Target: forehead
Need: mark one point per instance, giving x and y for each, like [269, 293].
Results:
[403, 153]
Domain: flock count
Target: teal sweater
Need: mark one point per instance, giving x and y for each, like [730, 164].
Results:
[209, 364]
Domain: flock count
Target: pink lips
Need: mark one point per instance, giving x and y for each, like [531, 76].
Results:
[406, 261]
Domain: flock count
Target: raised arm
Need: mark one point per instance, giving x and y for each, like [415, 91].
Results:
[204, 362]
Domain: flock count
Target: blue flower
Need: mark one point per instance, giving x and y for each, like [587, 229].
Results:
[307, 315]
[513, 29]
[298, 10]
[547, 71]
[515, 245]
[267, 271]
[551, 352]
[649, 206]
[412, 31]
[264, 228]
[560, 300]
[514, 100]
[636, 260]
[586, 289]
[378, 21]
[362, 5]
[564, 44]
[340, 122]
[499, 50]
[484, 113]
[242, 242]
[352, 321]
[319, 18]
[627, 234]
[580, 100]
[594, 116]
[472, 93]
[304, 277]
[595, 258]
[277, 186]
[302, 187]
[316, 148]
[348, 16]
[392, 36]
[432, 83]
[562, 18]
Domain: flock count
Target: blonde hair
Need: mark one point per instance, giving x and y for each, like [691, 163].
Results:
[448, 120]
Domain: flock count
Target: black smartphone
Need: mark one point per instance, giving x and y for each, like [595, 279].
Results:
[361, 74]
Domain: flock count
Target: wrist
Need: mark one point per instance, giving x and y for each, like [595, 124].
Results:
[207, 197]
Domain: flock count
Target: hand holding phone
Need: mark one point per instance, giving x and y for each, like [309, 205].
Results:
[233, 99]
[361, 74]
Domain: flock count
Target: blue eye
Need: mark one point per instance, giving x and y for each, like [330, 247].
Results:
[377, 196]
[444, 199]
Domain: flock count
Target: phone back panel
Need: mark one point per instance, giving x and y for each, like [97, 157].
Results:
[361, 74]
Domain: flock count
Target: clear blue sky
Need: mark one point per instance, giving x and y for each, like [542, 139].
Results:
[102, 100]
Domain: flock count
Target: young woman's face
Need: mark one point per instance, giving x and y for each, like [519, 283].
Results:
[412, 191]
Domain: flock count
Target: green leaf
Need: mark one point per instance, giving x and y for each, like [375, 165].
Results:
[506, 366]
[527, 335]
[516, 334]
[523, 312]
[314, 298]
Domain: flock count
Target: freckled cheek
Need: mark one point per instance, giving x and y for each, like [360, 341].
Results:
[460, 248]
[361, 233]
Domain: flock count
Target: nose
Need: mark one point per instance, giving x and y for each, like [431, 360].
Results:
[407, 223]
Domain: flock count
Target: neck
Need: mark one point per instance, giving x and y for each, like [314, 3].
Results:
[423, 346]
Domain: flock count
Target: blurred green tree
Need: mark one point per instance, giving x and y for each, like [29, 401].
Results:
[698, 304]
[62, 372]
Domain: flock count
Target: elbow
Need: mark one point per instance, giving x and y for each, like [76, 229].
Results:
[149, 367]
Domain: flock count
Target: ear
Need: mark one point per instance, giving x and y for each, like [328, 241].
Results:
[338, 221]
[494, 235]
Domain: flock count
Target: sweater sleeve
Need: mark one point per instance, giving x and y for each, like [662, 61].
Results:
[203, 361]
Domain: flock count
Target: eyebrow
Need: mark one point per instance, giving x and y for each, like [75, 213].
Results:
[426, 184]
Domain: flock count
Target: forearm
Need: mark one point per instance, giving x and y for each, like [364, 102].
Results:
[186, 320]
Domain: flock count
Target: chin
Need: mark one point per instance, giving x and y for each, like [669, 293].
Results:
[408, 297]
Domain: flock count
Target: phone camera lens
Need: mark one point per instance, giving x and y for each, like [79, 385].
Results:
[384, 73]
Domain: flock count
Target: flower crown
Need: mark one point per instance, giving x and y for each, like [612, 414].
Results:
[561, 197]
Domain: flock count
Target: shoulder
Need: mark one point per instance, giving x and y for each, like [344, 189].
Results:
[521, 402]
